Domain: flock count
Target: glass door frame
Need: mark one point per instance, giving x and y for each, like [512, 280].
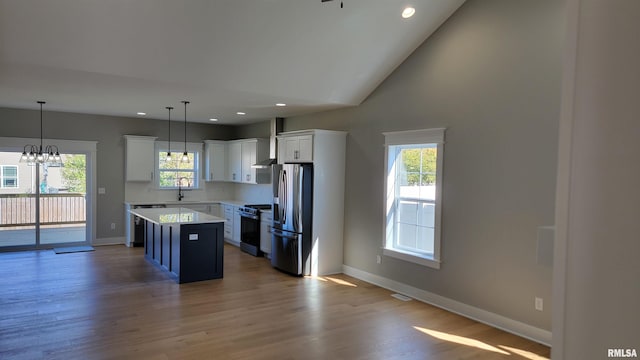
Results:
[71, 147]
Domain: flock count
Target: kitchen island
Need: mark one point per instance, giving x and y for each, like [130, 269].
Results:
[186, 243]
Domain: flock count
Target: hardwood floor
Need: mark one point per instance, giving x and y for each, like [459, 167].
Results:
[113, 304]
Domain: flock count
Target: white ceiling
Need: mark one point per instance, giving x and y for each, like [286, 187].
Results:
[118, 57]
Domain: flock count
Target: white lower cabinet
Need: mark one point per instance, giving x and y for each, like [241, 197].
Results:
[228, 224]
[266, 219]
[236, 226]
[232, 224]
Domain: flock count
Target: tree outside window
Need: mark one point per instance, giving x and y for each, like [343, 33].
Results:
[175, 173]
[74, 173]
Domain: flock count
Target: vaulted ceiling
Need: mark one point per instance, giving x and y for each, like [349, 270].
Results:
[121, 57]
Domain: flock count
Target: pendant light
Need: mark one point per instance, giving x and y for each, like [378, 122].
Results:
[185, 155]
[169, 142]
[37, 155]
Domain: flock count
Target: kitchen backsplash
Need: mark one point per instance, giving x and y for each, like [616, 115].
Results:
[254, 194]
[134, 191]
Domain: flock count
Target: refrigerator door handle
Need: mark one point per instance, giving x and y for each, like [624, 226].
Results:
[282, 199]
[297, 195]
[280, 233]
[285, 194]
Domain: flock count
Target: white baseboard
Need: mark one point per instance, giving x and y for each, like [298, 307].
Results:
[232, 242]
[109, 241]
[498, 321]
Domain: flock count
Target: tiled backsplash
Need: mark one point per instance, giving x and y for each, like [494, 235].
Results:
[134, 192]
[255, 194]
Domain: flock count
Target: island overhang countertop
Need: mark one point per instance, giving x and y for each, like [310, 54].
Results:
[176, 216]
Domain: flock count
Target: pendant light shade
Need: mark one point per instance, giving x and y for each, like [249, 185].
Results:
[169, 142]
[185, 155]
[48, 155]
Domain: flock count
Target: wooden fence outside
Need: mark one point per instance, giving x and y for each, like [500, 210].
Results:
[55, 209]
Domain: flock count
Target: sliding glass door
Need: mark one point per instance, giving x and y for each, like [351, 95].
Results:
[43, 206]
[17, 202]
[63, 204]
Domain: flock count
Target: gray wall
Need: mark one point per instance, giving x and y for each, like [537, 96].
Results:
[597, 270]
[108, 131]
[255, 130]
[490, 75]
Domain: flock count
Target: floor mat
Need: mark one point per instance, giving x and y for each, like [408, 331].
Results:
[73, 249]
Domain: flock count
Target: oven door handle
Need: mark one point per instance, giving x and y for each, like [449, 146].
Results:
[249, 216]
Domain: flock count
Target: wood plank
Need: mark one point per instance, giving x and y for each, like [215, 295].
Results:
[112, 303]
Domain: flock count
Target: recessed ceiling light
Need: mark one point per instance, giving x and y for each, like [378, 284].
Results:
[240, 113]
[408, 12]
[281, 104]
[212, 119]
[142, 113]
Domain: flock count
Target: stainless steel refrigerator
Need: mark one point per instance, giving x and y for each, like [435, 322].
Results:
[292, 215]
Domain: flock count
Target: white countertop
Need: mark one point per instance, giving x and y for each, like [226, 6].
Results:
[175, 216]
[233, 202]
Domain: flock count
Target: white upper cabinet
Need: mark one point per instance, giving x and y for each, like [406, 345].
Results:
[234, 165]
[140, 157]
[248, 159]
[295, 147]
[215, 160]
[243, 154]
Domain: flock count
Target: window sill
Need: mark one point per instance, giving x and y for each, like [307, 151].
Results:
[410, 257]
[176, 189]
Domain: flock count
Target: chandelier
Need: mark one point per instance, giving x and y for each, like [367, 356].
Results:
[48, 155]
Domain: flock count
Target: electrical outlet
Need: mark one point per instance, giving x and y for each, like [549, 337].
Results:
[539, 304]
[378, 259]
[113, 226]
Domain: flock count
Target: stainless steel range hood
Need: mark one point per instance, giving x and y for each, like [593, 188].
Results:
[275, 126]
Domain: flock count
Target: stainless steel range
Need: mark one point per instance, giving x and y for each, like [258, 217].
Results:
[250, 228]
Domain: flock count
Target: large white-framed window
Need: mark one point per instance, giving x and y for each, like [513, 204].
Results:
[8, 177]
[174, 173]
[413, 195]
